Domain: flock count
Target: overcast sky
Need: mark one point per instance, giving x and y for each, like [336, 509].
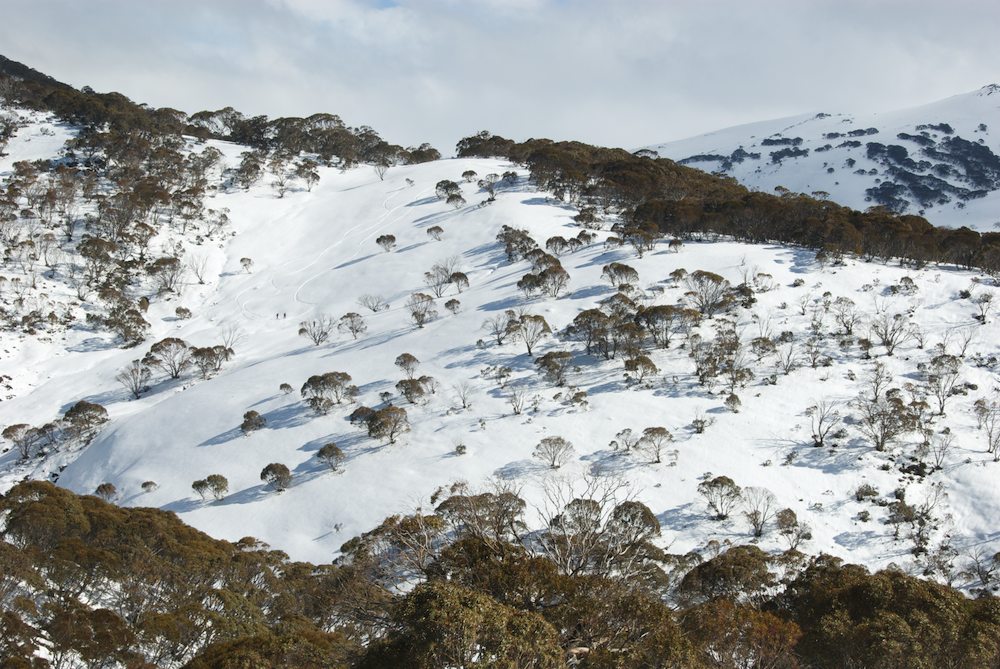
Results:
[613, 72]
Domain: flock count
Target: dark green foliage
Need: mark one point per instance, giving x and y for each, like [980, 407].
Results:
[252, 421]
[645, 190]
[483, 597]
[445, 625]
[852, 618]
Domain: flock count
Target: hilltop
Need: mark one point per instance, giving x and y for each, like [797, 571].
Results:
[937, 160]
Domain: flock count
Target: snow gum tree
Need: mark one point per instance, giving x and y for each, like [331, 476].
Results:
[554, 451]
[942, 377]
[640, 368]
[106, 491]
[501, 326]
[387, 242]
[277, 476]
[322, 391]
[172, 355]
[885, 419]
[218, 485]
[721, 494]
[317, 330]
[825, 417]
[388, 423]
[653, 442]
[354, 323]
[530, 330]
[891, 331]
[82, 420]
[759, 507]
[331, 455]
[209, 359]
[134, 377]
[373, 302]
[662, 322]
[592, 327]
[619, 274]
[408, 363]
[439, 278]
[708, 292]
[444, 188]
[554, 365]
[252, 421]
[24, 437]
[421, 308]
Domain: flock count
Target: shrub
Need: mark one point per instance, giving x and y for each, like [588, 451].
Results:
[554, 451]
[388, 423]
[252, 421]
[218, 485]
[865, 491]
[721, 494]
[277, 476]
[106, 491]
[322, 391]
[331, 455]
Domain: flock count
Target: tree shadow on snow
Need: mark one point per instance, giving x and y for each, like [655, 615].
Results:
[826, 459]
[91, 345]
[367, 342]
[803, 261]
[610, 463]
[547, 202]
[289, 416]
[104, 399]
[414, 245]
[249, 495]
[519, 468]
[590, 292]
[422, 201]
[227, 436]
[500, 305]
[682, 517]
[353, 445]
[355, 261]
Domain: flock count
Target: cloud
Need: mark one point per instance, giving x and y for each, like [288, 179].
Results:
[622, 73]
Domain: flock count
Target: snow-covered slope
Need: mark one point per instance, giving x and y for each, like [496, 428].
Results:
[314, 253]
[939, 159]
[41, 138]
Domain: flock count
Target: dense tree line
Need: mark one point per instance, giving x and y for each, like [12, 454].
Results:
[657, 196]
[101, 586]
[324, 135]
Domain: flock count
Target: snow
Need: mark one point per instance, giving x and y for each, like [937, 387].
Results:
[810, 173]
[314, 253]
[40, 138]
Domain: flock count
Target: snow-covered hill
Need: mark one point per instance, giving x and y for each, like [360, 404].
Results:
[939, 160]
[314, 253]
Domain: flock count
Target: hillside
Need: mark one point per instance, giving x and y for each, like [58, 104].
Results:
[314, 253]
[938, 160]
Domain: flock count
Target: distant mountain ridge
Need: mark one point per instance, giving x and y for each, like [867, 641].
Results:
[17, 70]
[938, 160]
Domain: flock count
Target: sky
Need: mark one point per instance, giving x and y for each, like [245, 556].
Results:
[611, 72]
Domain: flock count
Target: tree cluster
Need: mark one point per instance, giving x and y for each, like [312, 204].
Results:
[97, 585]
